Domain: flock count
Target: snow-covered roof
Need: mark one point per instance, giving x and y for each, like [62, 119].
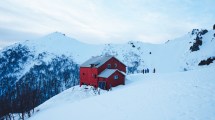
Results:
[97, 61]
[108, 72]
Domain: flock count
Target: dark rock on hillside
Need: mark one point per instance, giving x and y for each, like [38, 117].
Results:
[196, 44]
[194, 31]
[203, 32]
[207, 62]
[132, 44]
[198, 39]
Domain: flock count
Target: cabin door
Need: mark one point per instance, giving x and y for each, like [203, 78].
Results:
[102, 85]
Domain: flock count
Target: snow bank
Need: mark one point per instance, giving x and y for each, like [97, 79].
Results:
[176, 96]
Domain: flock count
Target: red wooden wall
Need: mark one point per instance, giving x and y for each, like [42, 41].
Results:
[86, 76]
[112, 61]
[111, 81]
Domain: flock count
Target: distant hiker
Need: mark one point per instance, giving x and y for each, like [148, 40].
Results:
[98, 91]
[154, 70]
[143, 71]
[147, 70]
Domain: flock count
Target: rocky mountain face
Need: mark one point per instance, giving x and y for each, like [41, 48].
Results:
[28, 79]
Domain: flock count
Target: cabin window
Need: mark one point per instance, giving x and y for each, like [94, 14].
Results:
[115, 65]
[109, 66]
[116, 77]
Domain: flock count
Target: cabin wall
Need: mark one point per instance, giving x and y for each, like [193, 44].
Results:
[111, 81]
[87, 76]
[112, 62]
[102, 79]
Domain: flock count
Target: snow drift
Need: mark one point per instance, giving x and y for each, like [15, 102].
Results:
[171, 96]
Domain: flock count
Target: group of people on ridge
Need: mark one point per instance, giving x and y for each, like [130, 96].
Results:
[147, 70]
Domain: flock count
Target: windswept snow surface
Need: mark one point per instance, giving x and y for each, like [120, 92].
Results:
[164, 96]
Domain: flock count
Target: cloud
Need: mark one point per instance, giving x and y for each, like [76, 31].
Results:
[103, 21]
[8, 37]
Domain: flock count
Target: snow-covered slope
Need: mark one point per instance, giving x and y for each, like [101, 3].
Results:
[174, 55]
[51, 64]
[171, 96]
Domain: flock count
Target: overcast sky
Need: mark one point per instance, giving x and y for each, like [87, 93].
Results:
[104, 21]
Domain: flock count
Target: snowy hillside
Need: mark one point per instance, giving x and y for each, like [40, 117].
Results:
[174, 55]
[170, 96]
[50, 65]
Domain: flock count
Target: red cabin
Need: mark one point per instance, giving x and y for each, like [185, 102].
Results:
[103, 72]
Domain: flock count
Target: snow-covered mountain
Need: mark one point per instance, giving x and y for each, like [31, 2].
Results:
[49, 65]
[179, 54]
[59, 44]
[183, 53]
[175, 55]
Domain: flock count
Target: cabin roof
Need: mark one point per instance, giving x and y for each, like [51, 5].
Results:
[96, 61]
[108, 72]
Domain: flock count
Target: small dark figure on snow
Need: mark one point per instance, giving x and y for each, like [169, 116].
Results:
[214, 27]
[143, 71]
[154, 70]
[98, 91]
[147, 70]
